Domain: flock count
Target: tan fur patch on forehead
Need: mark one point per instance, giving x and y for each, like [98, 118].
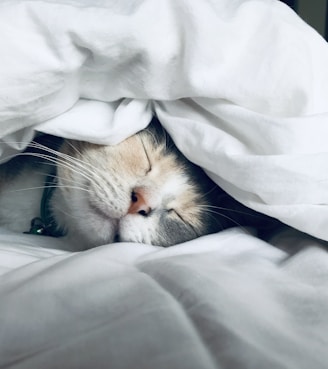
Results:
[128, 156]
[132, 153]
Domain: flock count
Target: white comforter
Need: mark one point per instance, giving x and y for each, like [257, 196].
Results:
[242, 87]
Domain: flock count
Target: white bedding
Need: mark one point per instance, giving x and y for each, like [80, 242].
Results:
[242, 87]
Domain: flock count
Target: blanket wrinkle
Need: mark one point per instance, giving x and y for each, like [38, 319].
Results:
[195, 329]
[58, 345]
[235, 305]
[150, 304]
[264, 98]
[231, 285]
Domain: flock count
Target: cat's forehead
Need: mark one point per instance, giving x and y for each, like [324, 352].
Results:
[175, 183]
[145, 152]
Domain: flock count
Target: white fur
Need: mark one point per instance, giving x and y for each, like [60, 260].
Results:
[175, 184]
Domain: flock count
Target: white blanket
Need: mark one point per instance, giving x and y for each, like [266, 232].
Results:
[222, 301]
[252, 75]
[242, 87]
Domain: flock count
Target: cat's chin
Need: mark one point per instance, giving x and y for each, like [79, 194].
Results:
[135, 228]
[103, 231]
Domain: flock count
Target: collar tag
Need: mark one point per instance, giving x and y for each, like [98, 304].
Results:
[45, 225]
[37, 227]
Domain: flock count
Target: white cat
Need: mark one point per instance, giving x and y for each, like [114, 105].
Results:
[141, 190]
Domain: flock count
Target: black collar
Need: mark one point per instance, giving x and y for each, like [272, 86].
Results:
[45, 225]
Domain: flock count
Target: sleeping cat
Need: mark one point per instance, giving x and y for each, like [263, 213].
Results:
[141, 190]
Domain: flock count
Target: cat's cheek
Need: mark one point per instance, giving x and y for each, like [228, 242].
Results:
[91, 232]
[136, 228]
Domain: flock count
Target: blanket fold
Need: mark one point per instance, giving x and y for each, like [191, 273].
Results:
[224, 300]
[241, 86]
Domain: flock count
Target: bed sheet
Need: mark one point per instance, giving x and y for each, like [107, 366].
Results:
[222, 301]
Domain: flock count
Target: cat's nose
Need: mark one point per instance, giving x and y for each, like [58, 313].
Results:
[139, 204]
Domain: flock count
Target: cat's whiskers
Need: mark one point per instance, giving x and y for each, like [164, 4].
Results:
[43, 187]
[93, 171]
[214, 188]
[49, 160]
[72, 160]
[69, 165]
[212, 212]
[55, 184]
[92, 174]
[88, 171]
[69, 143]
[226, 209]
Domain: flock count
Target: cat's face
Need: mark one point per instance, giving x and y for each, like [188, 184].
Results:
[140, 190]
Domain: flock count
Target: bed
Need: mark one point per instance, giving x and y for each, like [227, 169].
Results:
[242, 88]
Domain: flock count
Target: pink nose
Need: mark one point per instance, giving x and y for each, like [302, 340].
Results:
[138, 205]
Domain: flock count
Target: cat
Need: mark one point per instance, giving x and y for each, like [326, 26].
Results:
[141, 190]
